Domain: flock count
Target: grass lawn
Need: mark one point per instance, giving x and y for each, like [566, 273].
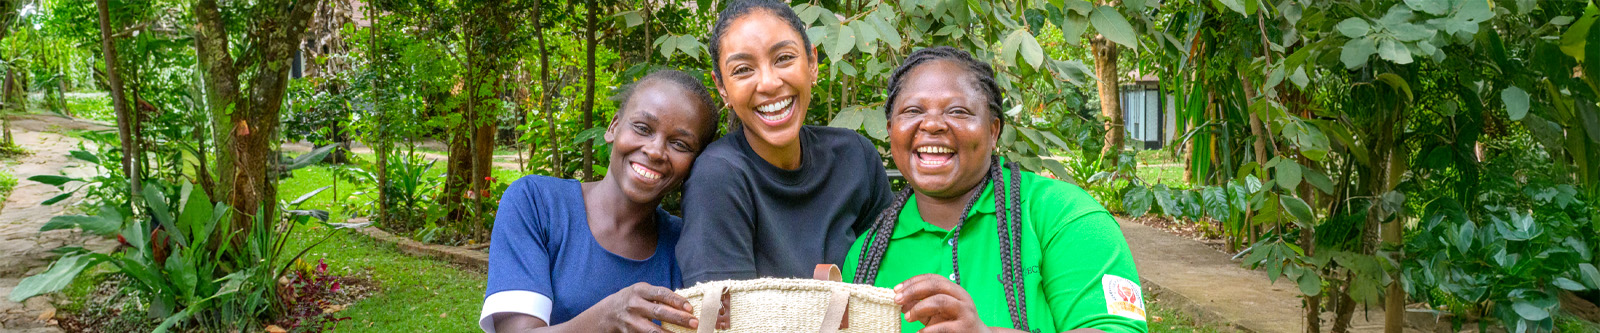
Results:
[413, 294]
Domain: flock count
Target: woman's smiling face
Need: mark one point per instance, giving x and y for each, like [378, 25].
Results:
[655, 140]
[941, 131]
[765, 76]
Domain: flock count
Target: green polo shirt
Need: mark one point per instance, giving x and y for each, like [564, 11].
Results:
[1078, 270]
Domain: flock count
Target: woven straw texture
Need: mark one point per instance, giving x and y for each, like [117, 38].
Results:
[795, 305]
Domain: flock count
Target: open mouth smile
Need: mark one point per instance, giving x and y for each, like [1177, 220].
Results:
[776, 112]
[934, 156]
[645, 172]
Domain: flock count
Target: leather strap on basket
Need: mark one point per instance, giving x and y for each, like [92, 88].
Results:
[837, 316]
[710, 306]
[838, 308]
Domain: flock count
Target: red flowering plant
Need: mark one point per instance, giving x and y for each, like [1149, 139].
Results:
[310, 298]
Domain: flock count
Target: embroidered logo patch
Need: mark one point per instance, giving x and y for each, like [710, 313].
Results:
[1123, 297]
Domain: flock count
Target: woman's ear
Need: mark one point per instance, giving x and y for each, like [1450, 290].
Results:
[814, 62]
[611, 129]
[722, 93]
[995, 127]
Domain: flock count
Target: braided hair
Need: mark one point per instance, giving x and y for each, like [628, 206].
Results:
[980, 71]
[1007, 198]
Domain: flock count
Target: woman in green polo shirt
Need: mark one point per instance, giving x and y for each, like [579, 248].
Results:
[971, 246]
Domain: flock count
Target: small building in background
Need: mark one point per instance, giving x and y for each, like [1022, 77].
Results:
[1147, 113]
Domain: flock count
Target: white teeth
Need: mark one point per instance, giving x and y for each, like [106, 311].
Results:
[774, 107]
[935, 150]
[647, 173]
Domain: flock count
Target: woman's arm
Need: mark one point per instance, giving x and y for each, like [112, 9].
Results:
[632, 309]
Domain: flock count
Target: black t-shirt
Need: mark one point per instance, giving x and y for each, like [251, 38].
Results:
[745, 218]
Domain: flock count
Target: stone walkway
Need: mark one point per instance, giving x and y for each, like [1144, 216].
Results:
[1209, 285]
[23, 249]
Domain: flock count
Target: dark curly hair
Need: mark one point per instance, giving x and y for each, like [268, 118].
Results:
[739, 8]
[980, 71]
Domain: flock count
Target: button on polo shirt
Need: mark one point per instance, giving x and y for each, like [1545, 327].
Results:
[1078, 271]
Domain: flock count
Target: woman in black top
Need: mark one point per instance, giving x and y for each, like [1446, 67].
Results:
[774, 197]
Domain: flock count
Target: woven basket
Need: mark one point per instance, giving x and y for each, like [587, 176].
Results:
[793, 305]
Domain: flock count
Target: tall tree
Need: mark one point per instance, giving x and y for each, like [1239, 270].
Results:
[119, 103]
[587, 167]
[248, 113]
[1105, 69]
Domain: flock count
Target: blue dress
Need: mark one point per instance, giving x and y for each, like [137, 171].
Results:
[545, 262]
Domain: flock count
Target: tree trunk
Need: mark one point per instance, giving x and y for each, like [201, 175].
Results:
[251, 124]
[222, 91]
[381, 137]
[545, 93]
[1105, 68]
[587, 166]
[119, 103]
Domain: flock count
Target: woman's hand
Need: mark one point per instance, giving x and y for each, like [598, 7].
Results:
[939, 304]
[633, 309]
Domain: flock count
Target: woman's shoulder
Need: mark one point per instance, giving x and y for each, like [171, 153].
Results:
[1062, 200]
[544, 185]
[845, 143]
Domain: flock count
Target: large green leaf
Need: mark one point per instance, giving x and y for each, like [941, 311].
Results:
[53, 180]
[1288, 174]
[103, 226]
[1528, 311]
[1435, 7]
[843, 40]
[1299, 210]
[849, 118]
[57, 277]
[1590, 275]
[1355, 53]
[1167, 200]
[1137, 201]
[85, 156]
[1516, 101]
[1031, 52]
[1310, 283]
[875, 124]
[1113, 26]
[1072, 27]
[1392, 50]
[1216, 202]
[1354, 27]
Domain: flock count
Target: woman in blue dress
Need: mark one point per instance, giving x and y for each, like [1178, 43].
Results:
[599, 256]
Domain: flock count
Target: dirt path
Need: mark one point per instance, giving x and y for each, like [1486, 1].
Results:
[23, 249]
[507, 162]
[1211, 286]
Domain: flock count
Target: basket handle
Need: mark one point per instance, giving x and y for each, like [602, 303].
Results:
[838, 308]
[710, 306]
[837, 316]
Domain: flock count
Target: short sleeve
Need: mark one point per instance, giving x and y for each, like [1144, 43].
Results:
[717, 240]
[519, 260]
[1087, 275]
[1090, 280]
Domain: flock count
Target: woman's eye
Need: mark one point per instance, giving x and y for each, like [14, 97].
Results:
[680, 146]
[785, 58]
[741, 70]
[641, 129]
[961, 112]
[911, 111]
